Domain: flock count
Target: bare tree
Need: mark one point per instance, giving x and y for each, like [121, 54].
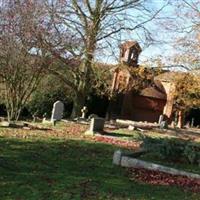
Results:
[82, 29]
[187, 28]
[20, 62]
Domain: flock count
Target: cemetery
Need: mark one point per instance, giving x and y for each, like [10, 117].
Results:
[88, 148]
[110, 157]
[99, 100]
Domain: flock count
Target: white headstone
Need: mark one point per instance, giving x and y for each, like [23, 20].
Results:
[57, 112]
[131, 128]
[161, 118]
[84, 110]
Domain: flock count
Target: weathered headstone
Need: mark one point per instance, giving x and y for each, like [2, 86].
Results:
[34, 118]
[192, 123]
[96, 125]
[5, 124]
[92, 116]
[117, 157]
[161, 118]
[131, 128]
[57, 112]
[44, 119]
[173, 124]
[187, 125]
[163, 125]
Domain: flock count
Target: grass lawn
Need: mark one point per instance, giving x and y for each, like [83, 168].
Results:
[61, 168]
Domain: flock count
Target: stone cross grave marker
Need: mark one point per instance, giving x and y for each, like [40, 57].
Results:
[96, 125]
[84, 110]
[57, 112]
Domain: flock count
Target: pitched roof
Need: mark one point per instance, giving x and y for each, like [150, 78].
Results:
[154, 93]
[130, 44]
[169, 76]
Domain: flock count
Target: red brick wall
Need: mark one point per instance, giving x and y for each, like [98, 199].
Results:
[140, 108]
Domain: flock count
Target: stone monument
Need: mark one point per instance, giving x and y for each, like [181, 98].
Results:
[57, 112]
[96, 125]
[84, 110]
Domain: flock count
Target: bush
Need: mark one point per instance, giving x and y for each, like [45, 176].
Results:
[192, 153]
[50, 91]
[173, 149]
[43, 103]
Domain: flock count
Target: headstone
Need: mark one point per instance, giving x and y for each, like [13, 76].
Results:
[161, 118]
[96, 125]
[173, 124]
[44, 119]
[192, 123]
[5, 124]
[117, 157]
[131, 128]
[34, 118]
[57, 112]
[54, 122]
[163, 125]
[92, 116]
[187, 125]
[84, 110]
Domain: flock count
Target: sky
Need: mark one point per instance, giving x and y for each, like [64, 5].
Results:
[164, 45]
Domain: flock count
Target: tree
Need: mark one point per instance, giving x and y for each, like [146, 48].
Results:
[187, 25]
[46, 94]
[187, 93]
[78, 30]
[20, 63]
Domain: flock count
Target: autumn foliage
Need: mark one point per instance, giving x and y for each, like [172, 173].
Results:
[187, 94]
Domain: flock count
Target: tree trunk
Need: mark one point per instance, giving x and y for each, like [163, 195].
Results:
[180, 119]
[83, 87]
[13, 112]
[78, 103]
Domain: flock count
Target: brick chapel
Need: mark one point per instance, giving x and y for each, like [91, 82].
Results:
[151, 102]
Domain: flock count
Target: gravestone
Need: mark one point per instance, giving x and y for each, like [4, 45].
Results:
[187, 125]
[44, 118]
[192, 123]
[173, 124]
[164, 125]
[161, 118]
[34, 118]
[117, 157]
[92, 116]
[131, 128]
[84, 110]
[96, 125]
[57, 112]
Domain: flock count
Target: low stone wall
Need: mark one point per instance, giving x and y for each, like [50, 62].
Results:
[119, 158]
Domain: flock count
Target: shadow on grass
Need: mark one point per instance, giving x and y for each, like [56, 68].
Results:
[23, 127]
[115, 134]
[187, 133]
[57, 169]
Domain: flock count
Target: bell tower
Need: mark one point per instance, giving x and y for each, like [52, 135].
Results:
[129, 53]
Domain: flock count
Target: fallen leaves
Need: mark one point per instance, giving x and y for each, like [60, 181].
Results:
[71, 130]
[161, 178]
[119, 142]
